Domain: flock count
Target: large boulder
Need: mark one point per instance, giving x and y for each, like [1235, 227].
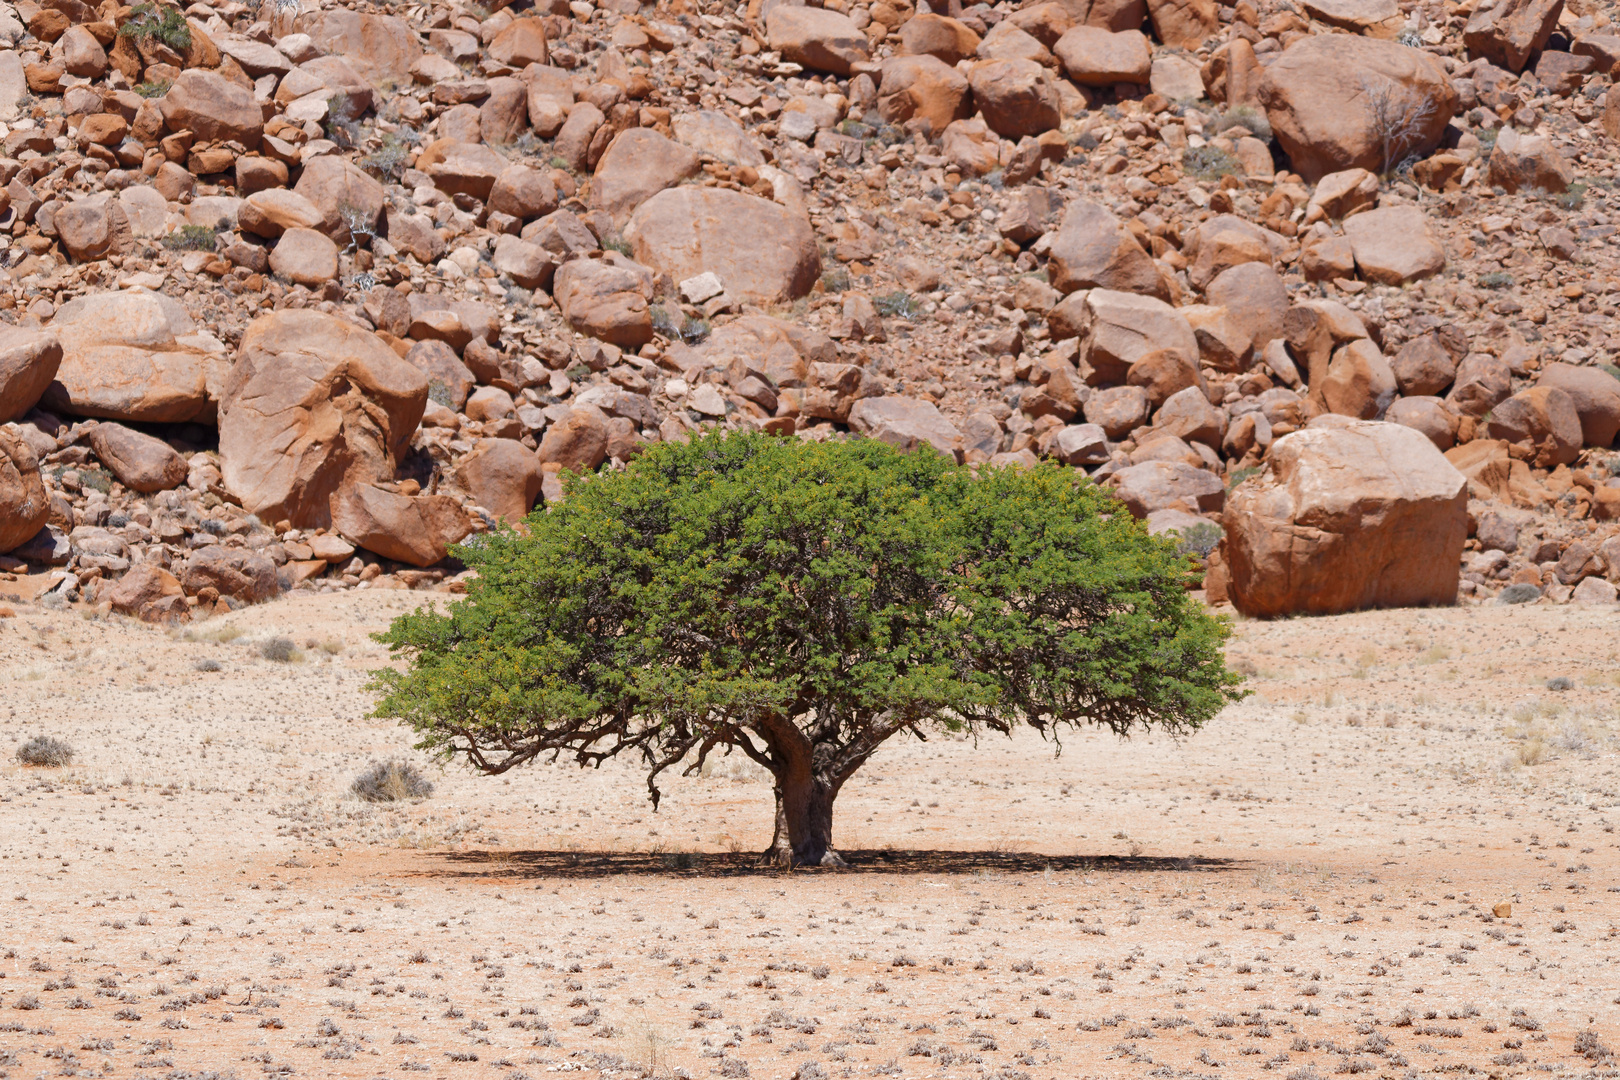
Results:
[313, 406]
[924, 88]
[1168, 485]
[1527, 162]
[349, 199]
[461, 168]
[213, 108]
[135, 356]
[28, 362]
[24, 505]
[1184, 24]
[578, 442]
[1347, 516]
[927, 34]
[1338, 102]
[1093, 56]
[761, 251]
[1094, 250]
[1016, 97]
[818, 38]
[1117, 329]
[1509, 33]
[141, 463]
[637, 165]
[146, 592]
[718, 135]
[906, 423]
[503, 476]
[1394, 245]
[1596, 395]
[235, 572]
[380, 47]
[1543, 421]
[414, 529]
[606, 300]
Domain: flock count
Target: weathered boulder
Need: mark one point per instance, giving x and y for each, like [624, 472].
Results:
[349, 199]
[1428, 415]
[28, 362]
[950, 40]
[1394, 245]
[1543, 420]
[577, 442]
[213, 108]
[1168, 485]
[1120, 328]
[1184, 24]
[522, 42]
[503, 476]
[523, 192]
[1225, 241]
[1509, 33]
[414, 529]
[1118, 410]
[1111, 15]
[462, 168]
[819, 38]
[1094, 250]
[1254, 299]
[1424, 366]
[444, 370]
[638, 164]
[718, 135]
[529, 265]
[1334, 100]
[1527, 162]
[380, 47]
[271, 212]
[94, 228]
[1016, 97]
[924, 88]
[1359, 382]
[1187, 414]
[136, 356]
[24, 505]
[760, 251]
[1006, 41]
[606, 300]
[1357, 16]
[1481, 383]
[238, 573]
[313, 406]
[1337, 194]
[141, 462]
[1093, 56]
[1345, 517]
[971, 147]
[141, 592]
[1596, 395]
[906, 423]
[305, 257]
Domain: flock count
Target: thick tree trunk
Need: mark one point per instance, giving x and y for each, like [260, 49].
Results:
[803, 837]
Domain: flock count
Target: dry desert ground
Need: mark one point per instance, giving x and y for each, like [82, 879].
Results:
[1304, 888]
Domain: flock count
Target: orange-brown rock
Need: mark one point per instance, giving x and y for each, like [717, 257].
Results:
[1343, 517]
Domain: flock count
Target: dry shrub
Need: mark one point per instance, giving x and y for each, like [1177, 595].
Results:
[390, 781]
[46, 752]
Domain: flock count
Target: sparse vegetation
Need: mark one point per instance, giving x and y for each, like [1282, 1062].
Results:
[151, 20]
[1244, 116]
[1209, 163]
[389, 160]
[280, 650]
[390, 781]
[898, 304]
[45, 752]
[192, 238]
[1496, 279]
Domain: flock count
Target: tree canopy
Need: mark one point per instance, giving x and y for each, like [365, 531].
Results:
[801, 603]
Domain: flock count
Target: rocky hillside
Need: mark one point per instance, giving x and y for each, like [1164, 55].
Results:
[299, 294]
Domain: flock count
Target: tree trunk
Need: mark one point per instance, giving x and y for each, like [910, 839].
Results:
[804, 805]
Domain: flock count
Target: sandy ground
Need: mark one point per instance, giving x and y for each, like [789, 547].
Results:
[1304, 887]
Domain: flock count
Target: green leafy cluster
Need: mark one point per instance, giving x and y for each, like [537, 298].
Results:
[1210, 162]
[733, 590]
[191, 238]
[167, 25]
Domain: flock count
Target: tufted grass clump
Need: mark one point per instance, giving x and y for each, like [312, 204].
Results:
[45, 752]
[391, 781]
[1210, 162]
[280, 650]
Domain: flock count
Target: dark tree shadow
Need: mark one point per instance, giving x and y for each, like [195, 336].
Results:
[601, 864]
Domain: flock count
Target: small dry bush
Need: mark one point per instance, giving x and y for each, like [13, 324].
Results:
[390, 781]
[44, 751]
[281, 650]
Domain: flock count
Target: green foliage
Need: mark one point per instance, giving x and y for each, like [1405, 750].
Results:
[191, 238]
[1573, 197]
[153, 89]
[801, 603]
[167, 25]
[676, 325]
[1240, 475]
[1244, 116]
[1496, 279]
[1611, 369]
[835, 279]
[1209, 162]
[615, 242]
[1199, 540]
[898, 304]
[440, 393]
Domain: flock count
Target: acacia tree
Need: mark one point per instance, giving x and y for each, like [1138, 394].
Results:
[802, 603]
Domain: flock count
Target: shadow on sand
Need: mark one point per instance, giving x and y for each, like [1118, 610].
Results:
[601, 864]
